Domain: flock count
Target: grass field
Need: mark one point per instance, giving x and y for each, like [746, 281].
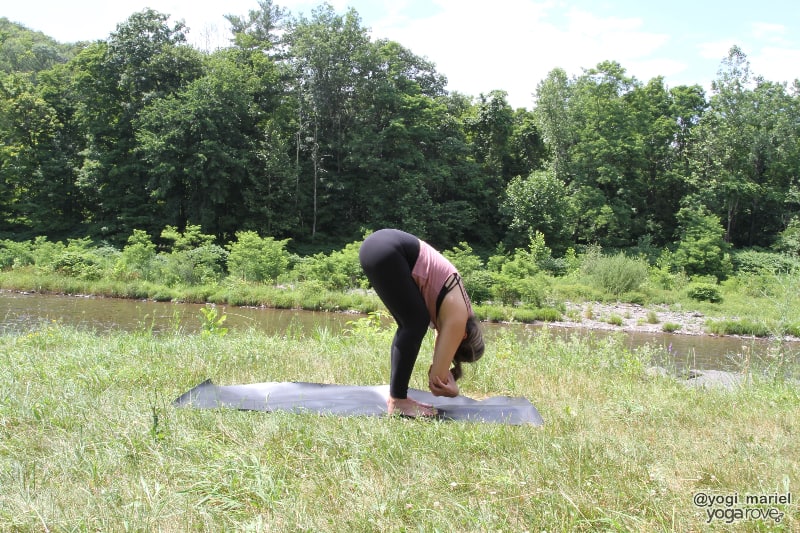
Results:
[89, 441]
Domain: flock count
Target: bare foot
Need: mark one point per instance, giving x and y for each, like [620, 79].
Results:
[409, 407]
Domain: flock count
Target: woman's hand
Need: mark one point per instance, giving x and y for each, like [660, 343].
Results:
[441, 387]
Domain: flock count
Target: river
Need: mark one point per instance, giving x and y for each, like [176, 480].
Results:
[24, 311]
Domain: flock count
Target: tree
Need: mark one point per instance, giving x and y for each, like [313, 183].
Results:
[144, 60]
[554, 119]
[702, 250]
[746, 152]
[36, 161]
[326, 54]
[540, 203]
[25, 50]
[259, 30]
[200, 148]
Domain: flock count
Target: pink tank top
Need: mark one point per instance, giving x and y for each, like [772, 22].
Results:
[430, 273]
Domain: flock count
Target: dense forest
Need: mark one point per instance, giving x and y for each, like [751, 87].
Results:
[306, 129]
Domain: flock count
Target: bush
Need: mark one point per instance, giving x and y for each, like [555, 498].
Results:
[509, 290]
[78, 265]
[137, 256]
[15, 254]
[340, 270]
[44, 252]
[702, 249]
[616, 274]
[789, 239]
[737, 327]
[464, 259]
[195, 266]
[491, 313]
[544, 314]
[705, 292]
[479, 286]
[253, 258]
[759, 262]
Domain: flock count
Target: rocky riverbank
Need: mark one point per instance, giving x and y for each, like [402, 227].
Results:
[634, 317]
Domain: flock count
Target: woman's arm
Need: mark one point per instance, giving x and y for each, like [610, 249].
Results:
[451, 330]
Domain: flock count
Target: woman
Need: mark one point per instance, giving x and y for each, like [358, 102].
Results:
[416, 284]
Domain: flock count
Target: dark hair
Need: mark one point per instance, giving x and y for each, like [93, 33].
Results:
[470, 349]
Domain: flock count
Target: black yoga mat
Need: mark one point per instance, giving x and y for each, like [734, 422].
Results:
[353, 400]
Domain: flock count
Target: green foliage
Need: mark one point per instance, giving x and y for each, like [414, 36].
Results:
[138, 255]
[670, 327]
[464, 259]
[212, 322]
[788, 241]
[737, 327]
[255, 258]
[542, 314]
[194, 258]
[45, 252]
[617, 274]
[192, 237]
[702, 249]
[758, 261]
[511, 290]
[338, 270]
[478, 285]
[704, 292]
[78, 265]
[540, 203]
[15, 254]
[205, 264]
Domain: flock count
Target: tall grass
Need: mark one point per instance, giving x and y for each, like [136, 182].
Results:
[89, 440]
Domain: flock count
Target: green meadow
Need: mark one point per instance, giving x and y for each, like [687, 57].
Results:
[89, 440]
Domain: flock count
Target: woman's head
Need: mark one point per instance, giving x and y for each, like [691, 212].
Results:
[470, 349]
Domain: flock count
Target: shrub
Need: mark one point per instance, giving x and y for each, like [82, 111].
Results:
[705, 292]
[759, 262]
[464, 259]
[737, 327]
[616, 274]
[253, 258]
[479, 286]
[137, 255]
[491, 313]
[339, 270]
[44, 252]
[543, 314]
[78, 265]
[702, 249]
[670, 327]
[15, 254]
[789, 239]
[510, 290]
[195, 266]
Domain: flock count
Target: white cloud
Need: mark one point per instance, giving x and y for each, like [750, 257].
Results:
[716, 50]
[768, 31]
[771, 63]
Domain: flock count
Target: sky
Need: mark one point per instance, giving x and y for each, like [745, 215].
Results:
[509, 45]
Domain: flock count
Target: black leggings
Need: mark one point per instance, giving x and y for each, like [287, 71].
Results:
[388, 256]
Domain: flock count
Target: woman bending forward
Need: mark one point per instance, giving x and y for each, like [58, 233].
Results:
[420, 287]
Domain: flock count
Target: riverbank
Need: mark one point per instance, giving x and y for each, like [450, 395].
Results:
[631, 317]
[91, 441]
[590, 316]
